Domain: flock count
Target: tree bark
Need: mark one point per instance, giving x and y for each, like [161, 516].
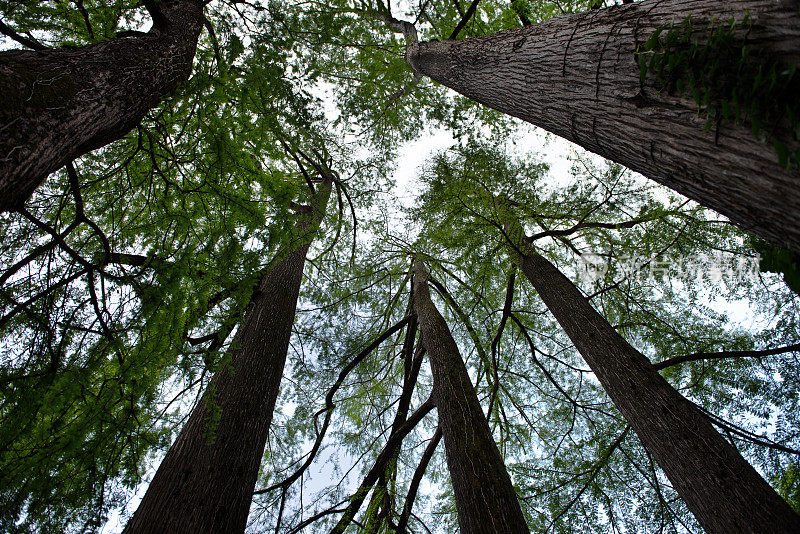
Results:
[485, 499]
[205, 483]
[578, 77]
[722, 490]
[60, 104]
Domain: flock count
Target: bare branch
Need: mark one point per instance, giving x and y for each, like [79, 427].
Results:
[329, 406]
[31, 43]
[379, 466]
[726, 354]
[413, 488]
[465, 19]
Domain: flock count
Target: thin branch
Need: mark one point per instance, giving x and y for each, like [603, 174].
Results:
[22, 306]
[419, 472]
[465, 19]
[541, 367]
[316, 517]
[292, 154]
[36, 252]
[329, 406]
[214, 42]
[725, 354]
[503, 320]
[745, 434]
[31, 43]
[602, 461]
[379, 466]
[85, 15]
[584, 225]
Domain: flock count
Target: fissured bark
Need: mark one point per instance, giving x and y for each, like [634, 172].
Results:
[722, 490]
[578, 77]
[59, 104]
[205, 482]
[485, 499]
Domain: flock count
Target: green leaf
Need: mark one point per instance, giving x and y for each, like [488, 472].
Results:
[783, 153]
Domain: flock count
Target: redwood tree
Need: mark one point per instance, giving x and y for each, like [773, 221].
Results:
[205, 483]
[579, 76]
[485, 498]
[721, 489]
[59, 104]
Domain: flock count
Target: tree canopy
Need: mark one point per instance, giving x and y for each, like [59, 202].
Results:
[126, 274]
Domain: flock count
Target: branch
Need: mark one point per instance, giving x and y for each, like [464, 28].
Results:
[603, 460]
[85, 15]
[31, 43]
[340, 187]
[464, 318]
[409, 31]
[59, 239]
[214, 42]
[379, 466]
[725, 354]
[465, 19]
[315, 517]
[153, 9]
[292, 154]
[124, 258]
[744, 433]
[36, 252]
[329, 406]
[520, 13]
[541, 367]
[21, 306]
[583, 225]
[506, 312]
[411, 496]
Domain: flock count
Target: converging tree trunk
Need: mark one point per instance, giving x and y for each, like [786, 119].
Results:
[578, 76]
[59, 104]
[205, 482]
[485, 498]
[387, 459]
[720, 488]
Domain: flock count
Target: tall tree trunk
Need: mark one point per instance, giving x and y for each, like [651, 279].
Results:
[59, 104]
[205, 482]
[578, 77]
[721, 488]
[485, 498]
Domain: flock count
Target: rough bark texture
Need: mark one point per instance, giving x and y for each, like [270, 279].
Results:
[205, 483]
[721, 488]
[485, 498]
[59, 104]
[577, 76]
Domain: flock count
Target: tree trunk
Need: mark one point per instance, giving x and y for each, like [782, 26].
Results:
[205, 483]
[485, 499]
[720, 488]
[60, 104]
[578, 77]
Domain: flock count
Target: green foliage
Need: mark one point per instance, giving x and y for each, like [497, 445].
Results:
[729, 78]
[202, 190]
[789, 486]
[99, 364]
[779, 260]
[71, 23]
[662, 315]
